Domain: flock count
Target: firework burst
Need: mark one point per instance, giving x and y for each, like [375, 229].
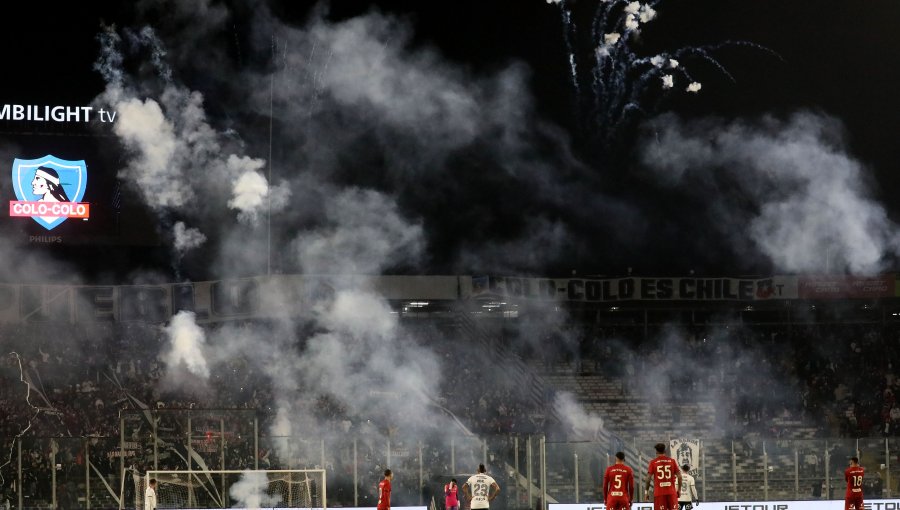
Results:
[624, 86]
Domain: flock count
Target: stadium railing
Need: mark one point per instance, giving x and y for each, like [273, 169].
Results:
[88, 472]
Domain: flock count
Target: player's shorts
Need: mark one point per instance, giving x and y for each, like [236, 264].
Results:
[617, 504]
[853, 503]
[686, 505]
[454, 507]
[665, 502]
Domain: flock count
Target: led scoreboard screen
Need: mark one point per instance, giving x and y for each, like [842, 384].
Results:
[60, 181]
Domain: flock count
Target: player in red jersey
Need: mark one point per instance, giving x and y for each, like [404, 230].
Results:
[663, 472]
[618, 485]
[451, 493]
[854, 476]
[384, 491]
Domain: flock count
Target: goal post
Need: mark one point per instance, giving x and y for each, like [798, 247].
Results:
[284, 488]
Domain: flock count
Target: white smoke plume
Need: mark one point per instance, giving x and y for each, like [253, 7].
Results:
[581, 425]
[144, 130]
[158, 55]
[668, 81]
[371, 71]
[808, 203]
[251, 193]
[609, 41]
[359, 357]
[109, 61]
[366, 92]
[694, 87]
[631, 22]
[460, 113]
[377, 97]
[363, 232]
[250, 491]
[364, 351]
[676, 366]
[648, 14]
[175, 154]
[187, 238]
[186, 345]
[178, 161]
[363, 91]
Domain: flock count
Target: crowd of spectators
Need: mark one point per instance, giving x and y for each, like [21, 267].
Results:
[68, 396]
[477, 388]
[840, 379]
[75, 383]
[850, 378]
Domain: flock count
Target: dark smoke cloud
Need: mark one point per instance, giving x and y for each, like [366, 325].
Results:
[356, 104]
[385, 155]
[366, 228]
[178, 162]
[787, 188]
[216, 179]
[391, 156]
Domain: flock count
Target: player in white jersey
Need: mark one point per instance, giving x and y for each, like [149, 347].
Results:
[478, 489]
[687, 493]
[150, 496]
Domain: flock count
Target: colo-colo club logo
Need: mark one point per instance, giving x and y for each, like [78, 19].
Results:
[49, 190]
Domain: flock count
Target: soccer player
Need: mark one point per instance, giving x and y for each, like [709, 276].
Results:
[663, 472]
[150, 495]
[618, 485]
[854, 476]
[451, 498]
[384, 491]
[687, 493]
[478, 489]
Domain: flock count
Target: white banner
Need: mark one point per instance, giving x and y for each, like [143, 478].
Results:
[686, 451]
[610, 290]
[210, 301]
[875, 504]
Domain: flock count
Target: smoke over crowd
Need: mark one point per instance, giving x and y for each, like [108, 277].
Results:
[346, 147]
[806, 204]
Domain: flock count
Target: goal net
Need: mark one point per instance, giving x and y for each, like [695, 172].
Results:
[297, 488]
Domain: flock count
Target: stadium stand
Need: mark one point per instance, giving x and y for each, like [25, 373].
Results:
[841, 378]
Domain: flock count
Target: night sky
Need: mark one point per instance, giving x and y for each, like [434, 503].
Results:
[834, 58]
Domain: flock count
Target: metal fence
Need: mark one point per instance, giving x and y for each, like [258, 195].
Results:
[742, 470]
[100, 472]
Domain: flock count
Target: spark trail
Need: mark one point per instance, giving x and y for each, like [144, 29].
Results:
[623, 85]
[37, 411]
